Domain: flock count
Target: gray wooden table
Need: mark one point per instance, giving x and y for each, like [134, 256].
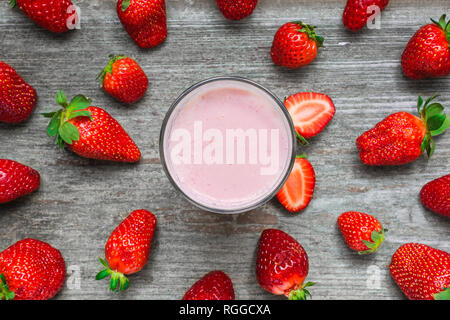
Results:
[81, 201]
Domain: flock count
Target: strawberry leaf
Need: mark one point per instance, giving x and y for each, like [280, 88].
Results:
[5, 292]
[69, 133]
[79, 102]
[309, 284]
[60, 142]
[301, 293]
[124, 283]
[114, 282]
[427, 102]
[53, 126]
[377, 238]
[104, 263]
[419, 104]
[61, 99]
[424, 144]
[430, 148]
[433, 109]
[445, 125]
[12, 3]
[125, 5]
[436, 121]
[83, 113]
[48, 114]
[368, 244]
[443, 295]
[102, 274]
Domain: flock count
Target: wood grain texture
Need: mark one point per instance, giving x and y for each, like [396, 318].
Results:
[81, 201]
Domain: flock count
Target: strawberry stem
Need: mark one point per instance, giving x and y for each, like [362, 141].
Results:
[301, 293]
[118, 282]
[5, 293]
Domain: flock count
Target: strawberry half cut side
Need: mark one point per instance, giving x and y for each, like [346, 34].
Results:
[297, 192]
[435, 121]
[310, 112]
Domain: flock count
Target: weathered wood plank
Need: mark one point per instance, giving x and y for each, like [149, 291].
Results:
[81, 201]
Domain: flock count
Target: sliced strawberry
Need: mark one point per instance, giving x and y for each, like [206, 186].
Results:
[310, 112]
[298, 190]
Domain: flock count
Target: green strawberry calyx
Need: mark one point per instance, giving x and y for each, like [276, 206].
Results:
[309, 30]
[377, 237]
[125, 5]
[113, 59]
[435, 121]
[444, 25]
[301, 293]
[443, 295]
[59, 125]
[119, 282]
[12, 3]
[5, 293]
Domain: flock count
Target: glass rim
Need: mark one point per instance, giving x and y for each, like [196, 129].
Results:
[162, 135]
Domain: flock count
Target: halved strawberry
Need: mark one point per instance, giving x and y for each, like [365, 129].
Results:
[310, 112]
[298, 190]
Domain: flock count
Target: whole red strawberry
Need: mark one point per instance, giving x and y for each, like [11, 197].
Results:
[435, 195]
[236, 9]
[16, 180]
[297, 192]
[295, 45]
[282, 265]
[215, 285]
[402, 137]
[361, 231]
[428, 52]
[144, 20]
[17, 98]
[128, 248]
[421, 272]
[54, 15]
[90, 131]
[31, 270]
[357, 12]
[124, 79]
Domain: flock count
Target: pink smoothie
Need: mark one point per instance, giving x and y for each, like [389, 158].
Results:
[228, 146]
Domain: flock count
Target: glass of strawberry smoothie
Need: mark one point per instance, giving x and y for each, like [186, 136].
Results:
[227, 144]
